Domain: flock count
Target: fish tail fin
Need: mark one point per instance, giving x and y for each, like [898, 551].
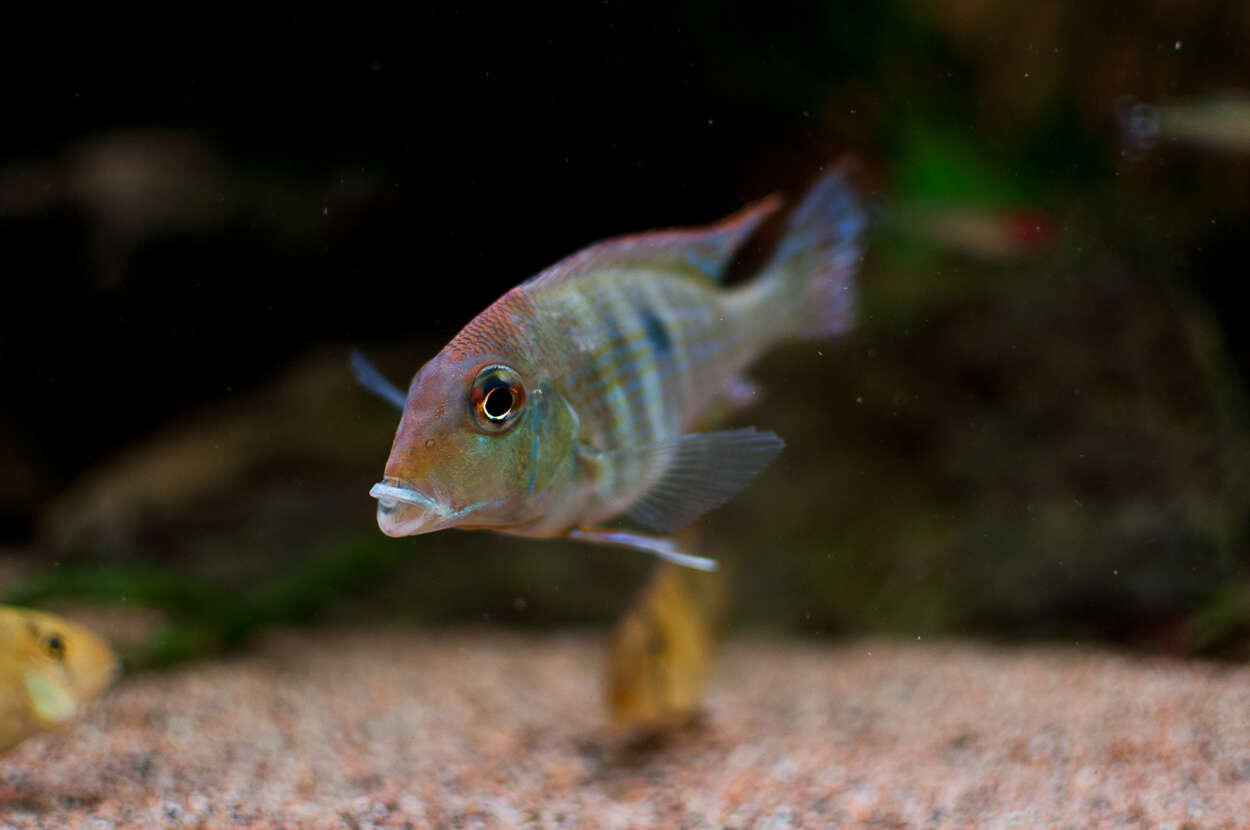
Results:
[811, 276]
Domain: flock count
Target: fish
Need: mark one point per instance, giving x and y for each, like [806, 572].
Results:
[989, 235]
[49, 668]
[661, 649]
[568, 405]
[1217, 122]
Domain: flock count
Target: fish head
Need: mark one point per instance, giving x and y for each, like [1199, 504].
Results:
[61, 664]
[483, 441]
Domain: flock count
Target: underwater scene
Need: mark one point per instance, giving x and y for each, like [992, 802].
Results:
[627, 415]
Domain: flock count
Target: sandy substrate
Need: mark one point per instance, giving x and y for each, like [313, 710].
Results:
[395, 727]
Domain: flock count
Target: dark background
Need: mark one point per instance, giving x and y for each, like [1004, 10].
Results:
[199, 217]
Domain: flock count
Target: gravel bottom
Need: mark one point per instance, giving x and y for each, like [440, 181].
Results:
[490, 728]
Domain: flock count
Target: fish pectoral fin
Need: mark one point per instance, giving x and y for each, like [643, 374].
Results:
[368, 376]
[704, 470]
[50, 699]
[665, 549]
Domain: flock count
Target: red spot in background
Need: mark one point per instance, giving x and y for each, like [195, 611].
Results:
[1030, 227]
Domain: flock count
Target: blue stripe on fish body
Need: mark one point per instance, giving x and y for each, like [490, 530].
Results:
[657, 332]
[695, 333]
[630, 350]
[672, 391]
[609, 371]
[650, 402]
[535, 452]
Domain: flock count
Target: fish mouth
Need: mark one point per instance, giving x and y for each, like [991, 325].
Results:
[404, 511]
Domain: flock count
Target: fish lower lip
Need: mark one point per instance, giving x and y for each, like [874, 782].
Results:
[388, 494]
[403, 511]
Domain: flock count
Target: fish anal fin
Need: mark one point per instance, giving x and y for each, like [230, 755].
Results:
[736, 394]
[704, 251]
[704, 470]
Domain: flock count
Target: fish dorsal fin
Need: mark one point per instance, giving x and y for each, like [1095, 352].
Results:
[702, 251]
[705, 470]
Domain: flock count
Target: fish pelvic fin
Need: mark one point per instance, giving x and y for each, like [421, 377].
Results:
[811, 275]
[736, 394]
[368, 376]
[665, 549]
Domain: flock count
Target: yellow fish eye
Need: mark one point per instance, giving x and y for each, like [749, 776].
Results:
[54, 647]
[497, 397]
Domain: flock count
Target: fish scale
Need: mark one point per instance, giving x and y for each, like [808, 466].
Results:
[624, 359]
[643, 391]
[567, 403]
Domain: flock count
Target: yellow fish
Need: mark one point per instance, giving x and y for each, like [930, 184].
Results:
[661, 649]
[49, 667]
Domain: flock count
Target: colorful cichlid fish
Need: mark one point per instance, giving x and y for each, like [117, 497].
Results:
[49, 667]
[570, 400]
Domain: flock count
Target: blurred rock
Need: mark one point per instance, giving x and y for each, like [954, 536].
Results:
[208, 481]
[23, 482]
[131, 187]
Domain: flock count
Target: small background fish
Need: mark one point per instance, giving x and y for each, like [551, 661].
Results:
[49, 667]
[1216, 122]
[989, 234]
[661, 650]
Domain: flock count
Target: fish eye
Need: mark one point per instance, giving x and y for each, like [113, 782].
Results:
[498, 403]
[54, 647]
[497, 397]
